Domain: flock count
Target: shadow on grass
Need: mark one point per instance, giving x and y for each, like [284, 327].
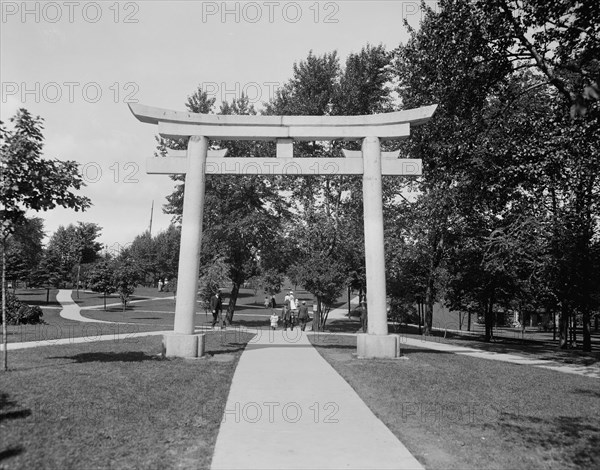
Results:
[42, 303]
[10, 452]
[135, 356]
[251, 323]
[577, 438]
[592, 393]
[226, 351]
[343, 326]
[334, 346]
[5, 415]
[545, 349]
[6, 402]
[406, 351]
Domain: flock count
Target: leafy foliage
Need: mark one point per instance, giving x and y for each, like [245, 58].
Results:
[19, 313]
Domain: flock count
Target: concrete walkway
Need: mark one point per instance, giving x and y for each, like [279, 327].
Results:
[289, 409]
[434, 343]
[70, 309]
[117, 337]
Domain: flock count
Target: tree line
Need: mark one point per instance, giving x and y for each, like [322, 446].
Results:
[505, 215]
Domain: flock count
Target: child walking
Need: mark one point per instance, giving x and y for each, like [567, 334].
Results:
[274, 321]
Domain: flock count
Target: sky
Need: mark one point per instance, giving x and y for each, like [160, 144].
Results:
[77, 64]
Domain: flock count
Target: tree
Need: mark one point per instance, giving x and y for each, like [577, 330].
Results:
[102, 278]
[328, 209]
[31, 182]
[167, 251]
[24, 249]
[326, 280]
[72, 246]
[241, 213]
[143, 252]
[558, 39]
[515, 133]
[125, 279]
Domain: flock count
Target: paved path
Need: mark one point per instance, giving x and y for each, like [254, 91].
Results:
[434, 343]
[119, 337]
[289, 409]
[70, 309]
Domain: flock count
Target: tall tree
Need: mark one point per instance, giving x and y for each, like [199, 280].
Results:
[24, 249]
[241, 214]
[72, 246]
[504, 141]
[331, 205]
[31, 182]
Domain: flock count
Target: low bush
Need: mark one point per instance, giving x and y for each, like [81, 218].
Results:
[19, 313]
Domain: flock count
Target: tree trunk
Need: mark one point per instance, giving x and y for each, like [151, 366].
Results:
[317, 316]
[489, 318]
[232, 302]
[563, 326]
[4, 332]
[78, 273]
[587, 338]
[469, 321]
[349, 307]
[429, 305]
[105, 301]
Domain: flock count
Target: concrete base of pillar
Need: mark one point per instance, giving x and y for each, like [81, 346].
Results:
[179, 345]
[377, 346]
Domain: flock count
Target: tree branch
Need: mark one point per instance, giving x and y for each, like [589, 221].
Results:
[541, 62]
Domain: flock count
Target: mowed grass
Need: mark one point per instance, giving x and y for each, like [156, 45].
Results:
[115, 405]
[458, 412]
[149, 310]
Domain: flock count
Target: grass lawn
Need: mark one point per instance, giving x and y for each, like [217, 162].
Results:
[115, 405]
[55, 327]
[458, 412]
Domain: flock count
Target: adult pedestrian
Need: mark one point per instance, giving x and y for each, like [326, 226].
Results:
[286, 313]
[303, 315]
[216, 306]
[293, 309]
[363, 316]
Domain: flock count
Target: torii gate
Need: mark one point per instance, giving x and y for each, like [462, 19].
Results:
[198, 161]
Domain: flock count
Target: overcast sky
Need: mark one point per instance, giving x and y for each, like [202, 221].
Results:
[78, 63]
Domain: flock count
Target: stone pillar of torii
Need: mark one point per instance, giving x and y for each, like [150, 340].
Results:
[199, 160]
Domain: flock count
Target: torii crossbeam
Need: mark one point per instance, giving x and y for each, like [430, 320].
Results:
[199, 161]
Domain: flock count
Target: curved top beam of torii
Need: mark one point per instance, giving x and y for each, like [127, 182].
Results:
[176, 124]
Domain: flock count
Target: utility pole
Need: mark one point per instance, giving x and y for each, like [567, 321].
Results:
[151, 214]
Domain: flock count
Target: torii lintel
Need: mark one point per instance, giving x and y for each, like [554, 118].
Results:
[177, 124]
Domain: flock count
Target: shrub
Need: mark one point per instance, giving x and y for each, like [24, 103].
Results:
[19, 313]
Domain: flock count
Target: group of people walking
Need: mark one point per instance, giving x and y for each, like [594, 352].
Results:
[292, 313]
